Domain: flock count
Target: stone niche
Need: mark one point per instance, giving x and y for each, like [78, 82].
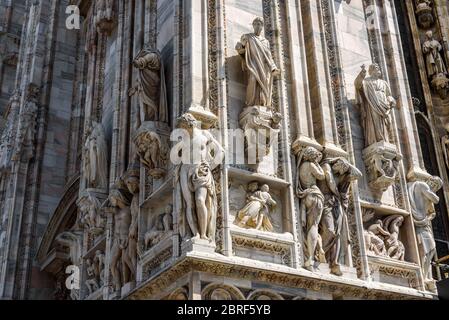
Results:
[390, 248]
[156, 235]
[259, 218]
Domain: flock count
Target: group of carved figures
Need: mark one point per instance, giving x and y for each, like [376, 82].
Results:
[382, 238]
[322, 185]
[95, 269]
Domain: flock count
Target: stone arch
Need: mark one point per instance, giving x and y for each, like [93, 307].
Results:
[262, 294]
[220, 291]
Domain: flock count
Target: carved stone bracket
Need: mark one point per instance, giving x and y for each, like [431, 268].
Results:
[91, 216]
[424, 14]
[382, 162]
[261, 126]
[151, 141]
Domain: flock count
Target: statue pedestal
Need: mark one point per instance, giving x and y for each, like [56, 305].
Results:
[441, 85]
[382, 161]
[198, 245]
[261, 129]
[152, 142]
[207, 118]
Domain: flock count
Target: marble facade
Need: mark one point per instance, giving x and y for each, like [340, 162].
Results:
[348, 192]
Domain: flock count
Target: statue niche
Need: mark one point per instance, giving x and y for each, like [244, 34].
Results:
[375, 101]
[258, 119]
[159, 227]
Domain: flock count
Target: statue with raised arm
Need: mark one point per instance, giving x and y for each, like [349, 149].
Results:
[312, 202]
[423, 197]
[259, 64]
[194, 183]
[376, 101]
[339, 174]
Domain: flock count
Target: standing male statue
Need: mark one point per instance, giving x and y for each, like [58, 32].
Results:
[259, 64]
[339, 174]
[423, 197]
[375, 99]
[196, 197]
[434, 61]
[312, 202]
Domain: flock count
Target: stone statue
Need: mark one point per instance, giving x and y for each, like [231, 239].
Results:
[339, 174]
[91, 282]
[256, 213]
[27, 125]
[375, 100]
[374, 238]
[104, 15]
[309, 172]
[195, 193]
[132, 182]
[151, 86]
[160, 225]
[445, 145]
[152, 152]
[423, 197]
[96, 158]
[395, 248]
[259, 65]
[434, 61]
[120, 199]
[91, 217]
[8, 134]
[99, 265]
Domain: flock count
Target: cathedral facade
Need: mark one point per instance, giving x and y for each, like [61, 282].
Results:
[224, 149]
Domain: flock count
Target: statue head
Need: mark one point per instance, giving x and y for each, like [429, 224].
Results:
[435, 183]
[132, 178]
[341, 166]
[168, 209]
[311, 154]
[429, 34]
[119, 195]
[374, 71]
[258, 25]
[265, 188]
[253, 186]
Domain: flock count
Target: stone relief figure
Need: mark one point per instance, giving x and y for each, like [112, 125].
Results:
[395, 248]
[151, 86]
[90, 214]
[152, 151]
[259, 64]
[423, 197]
[375, 100]
[96, 158]
[374, 238]
[256, 213]
[121, 263]
[159, 227]
[92, 281]
[339, 174]
[195, 193]
[132, 181]
[434, 61]
[309, 173]
[445, 145]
